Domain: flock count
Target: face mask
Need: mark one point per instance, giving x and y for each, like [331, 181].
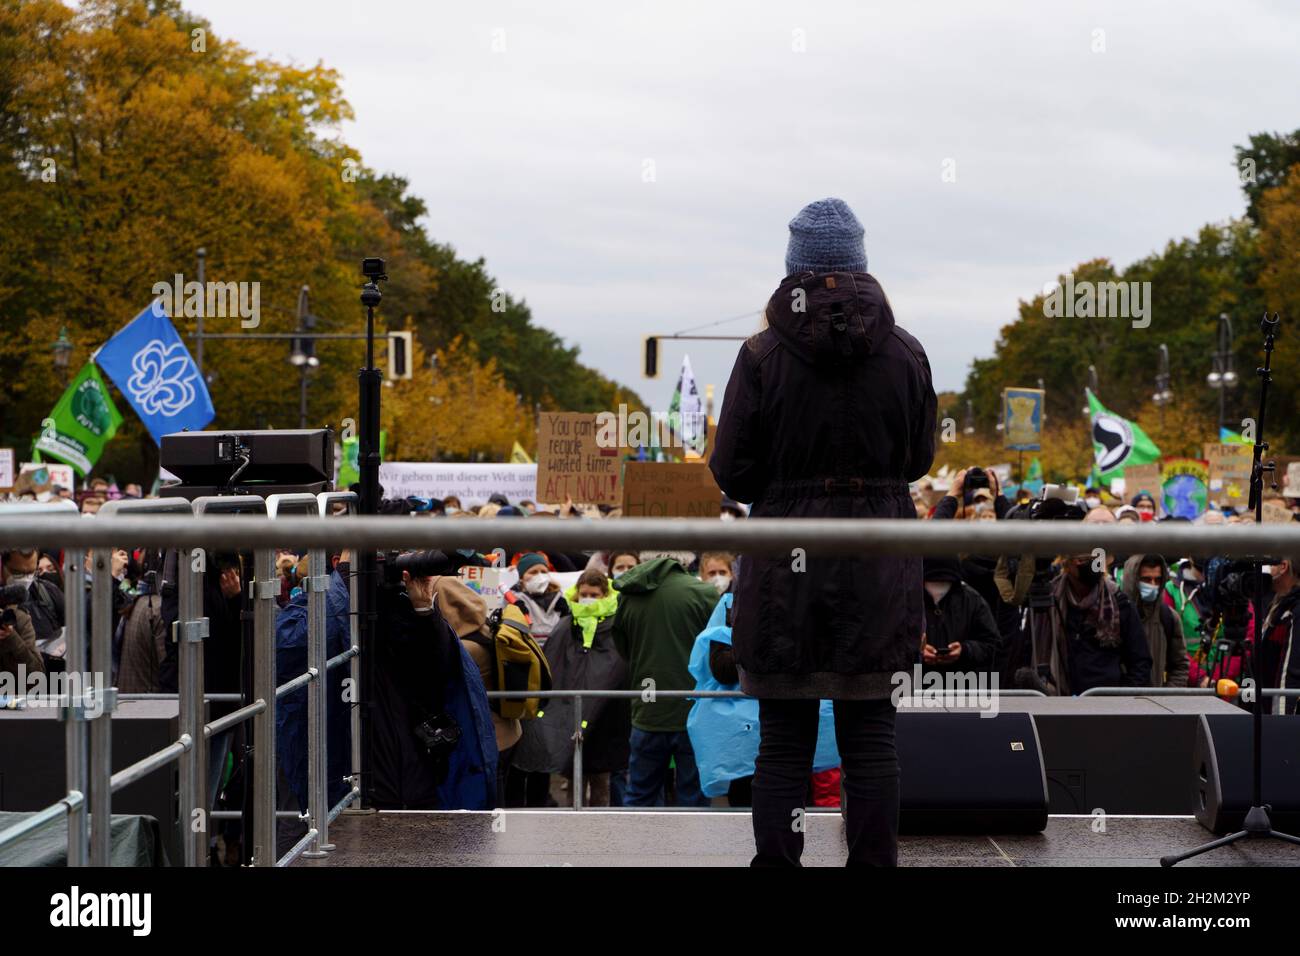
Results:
[537, 583]
[727, 516]
[1148, 592]
[618, 574]
[937, 589]
[24, 579]
[1092, 502]
[1146, 516]
[586, 600]
[451, 510]
[721, 582]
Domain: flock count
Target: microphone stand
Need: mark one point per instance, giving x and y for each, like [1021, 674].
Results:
[1257, 825]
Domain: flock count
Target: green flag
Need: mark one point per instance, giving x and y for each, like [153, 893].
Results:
[83, 420]
[1117, 442]
[349, 473]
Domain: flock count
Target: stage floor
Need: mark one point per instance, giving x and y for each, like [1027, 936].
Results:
[724, 838]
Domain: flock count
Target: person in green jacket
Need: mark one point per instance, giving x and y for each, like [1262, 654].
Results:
[661, 610]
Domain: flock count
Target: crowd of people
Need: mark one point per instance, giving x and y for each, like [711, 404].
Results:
[633, 619]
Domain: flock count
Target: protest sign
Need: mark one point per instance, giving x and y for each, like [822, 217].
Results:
[6, 468]
[491, 584]
[1144, 478]
[1184, 483]
[571, 464]
[472, 483]
[670, 490]
[1230, 466]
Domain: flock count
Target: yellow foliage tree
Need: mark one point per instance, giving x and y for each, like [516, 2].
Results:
[457, 408]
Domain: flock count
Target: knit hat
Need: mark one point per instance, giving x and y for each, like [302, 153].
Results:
[529, 560]
[825, 237]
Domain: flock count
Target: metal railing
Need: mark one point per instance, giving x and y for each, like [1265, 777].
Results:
[156, 523]
[88, 716]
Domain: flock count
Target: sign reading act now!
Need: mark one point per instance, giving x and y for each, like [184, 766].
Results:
[570, 463]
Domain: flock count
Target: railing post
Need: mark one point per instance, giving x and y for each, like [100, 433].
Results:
[317, 749]
[265, 589]
[74, 713]
[354, 672]
[190, 630]
[101, 727]
[578, 787]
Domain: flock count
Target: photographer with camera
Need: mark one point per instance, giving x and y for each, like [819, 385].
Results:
[17, 636]
[43, 603]
[960, 633]
[433, 742]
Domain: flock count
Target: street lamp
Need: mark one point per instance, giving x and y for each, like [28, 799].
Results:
[62, 353]
[1163, 393]
[1223, 372]
[970, 418]
[302, 352]
[1092, 386]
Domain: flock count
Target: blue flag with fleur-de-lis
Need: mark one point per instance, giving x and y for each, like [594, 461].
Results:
[153, 370]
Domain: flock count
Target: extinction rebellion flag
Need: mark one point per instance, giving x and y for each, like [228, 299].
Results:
[83, 420]
[1117, 442]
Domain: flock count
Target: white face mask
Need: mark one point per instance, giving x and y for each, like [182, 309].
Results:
[587, 600]
[727, 516]
[618, 574]
[937, 589]
[1092, 502]
[537, 583]
[721, 582]
[451, 510]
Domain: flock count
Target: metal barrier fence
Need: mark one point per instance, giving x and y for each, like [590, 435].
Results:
[216, 524]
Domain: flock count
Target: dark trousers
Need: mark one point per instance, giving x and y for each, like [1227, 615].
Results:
[864, 732]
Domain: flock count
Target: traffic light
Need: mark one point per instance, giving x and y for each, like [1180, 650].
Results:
[399, 355]
[651, 356]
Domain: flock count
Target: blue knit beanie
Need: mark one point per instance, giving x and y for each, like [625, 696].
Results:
[529, 561]
[825, 237]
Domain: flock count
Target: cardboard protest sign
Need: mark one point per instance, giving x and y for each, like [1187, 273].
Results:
[6, 468]
[1275, 512]
[1229, 472]
[572, 464]
[670, 490]
[1291, 482]
[1144, 478]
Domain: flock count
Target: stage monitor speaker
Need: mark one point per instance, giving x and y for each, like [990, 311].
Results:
[963, 773]
[287, 457]
[190, 492]
[1223, 771]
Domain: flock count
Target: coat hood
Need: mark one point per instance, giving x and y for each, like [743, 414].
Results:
[831, 317]
[1130, 583]
[648, 575]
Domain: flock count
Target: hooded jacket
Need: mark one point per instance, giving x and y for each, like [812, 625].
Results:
[661, 610]
[829, 413]
[1169, 660]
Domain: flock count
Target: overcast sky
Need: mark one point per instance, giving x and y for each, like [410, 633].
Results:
[527, 129]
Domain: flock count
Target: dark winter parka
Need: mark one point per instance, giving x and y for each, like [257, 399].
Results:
[829, 412]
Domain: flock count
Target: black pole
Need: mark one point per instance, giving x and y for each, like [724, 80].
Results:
[369, 382]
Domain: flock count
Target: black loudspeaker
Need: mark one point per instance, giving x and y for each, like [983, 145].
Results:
[1223, 771]
[190, 492]
[290, 457]
[963, 773]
